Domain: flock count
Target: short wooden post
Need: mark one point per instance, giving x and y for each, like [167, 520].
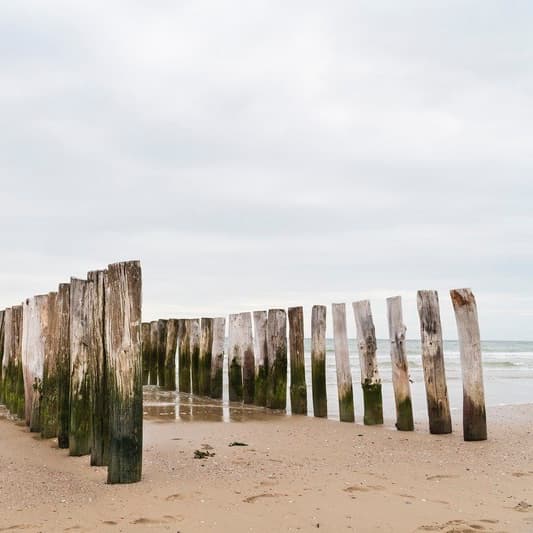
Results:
[370, 379]
[261, 356]
[206, 347]
[63, 365]
[146, 350]
[194, 332]
[170, 354]
[400, 370]
[98, 368]
[318, 360]
[296, 350]
[440, 421]
[161, 351]
[123, 339]
[474, 415]
[235, 357]
[49, 397]
[80, 429]
[342, 360]
[153, 359]
[277, 359]
[217, 357]
[184, 356]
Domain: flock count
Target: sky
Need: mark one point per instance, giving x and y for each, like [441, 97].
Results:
[257, 154]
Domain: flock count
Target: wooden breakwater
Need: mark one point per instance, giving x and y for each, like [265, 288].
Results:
[260, 345]
[71, 367]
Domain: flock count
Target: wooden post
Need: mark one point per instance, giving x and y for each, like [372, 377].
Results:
[170, 354]
[153, 360]
[400, 370]
[184, 357]
[370, 379]
[342, 360]
[12, 361]
[206, 347]
[146, 350]
[123, 339]
[161, 351]
[440, 421]
[261, 356]
[2, 356]
[195, 354]
[277, 359]
[217, 356]
[235, 357]
[318, 360]
[63, 365]
[97, 366]
[474, 416]
[34, 324]
[49, 398]
[296, 346]
[80, 390]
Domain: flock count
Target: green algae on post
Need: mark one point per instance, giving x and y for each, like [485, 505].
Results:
[277, 359]
[195, 354]
[206, 347]
[161, 351]
[217, 357]
[153, 358]
[63, 365]
[170, 354]
[296, 348]
[184, 355]
[241, 354]
[146, 353]
[261, 357]
[318, 360]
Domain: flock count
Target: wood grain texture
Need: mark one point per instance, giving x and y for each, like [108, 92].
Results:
[171, 347]
[63, 365]
[13, 380]
[342, 359]
[206, 347]
[474, 414]
[261, 356]
[298, 385]
[184, 355]
[146, 350]
[400, 368]
[318, 360]
[194, 332]
[2, 355]
[161, 351]
[440, 421]
[277, 359]
[236, 342]
[153, 359]
[217, 357]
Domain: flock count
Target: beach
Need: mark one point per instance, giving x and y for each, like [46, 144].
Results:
[296, 473]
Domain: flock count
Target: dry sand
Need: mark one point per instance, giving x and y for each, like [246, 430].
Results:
[296, 474]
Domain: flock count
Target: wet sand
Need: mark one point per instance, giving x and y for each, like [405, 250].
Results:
[296, 474]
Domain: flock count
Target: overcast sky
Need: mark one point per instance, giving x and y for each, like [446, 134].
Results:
[255, 154]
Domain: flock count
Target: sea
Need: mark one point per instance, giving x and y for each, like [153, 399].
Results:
[507, 373]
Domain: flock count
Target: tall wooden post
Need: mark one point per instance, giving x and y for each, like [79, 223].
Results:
[184, 356]
[146, 350]
[206, 347]
[170, 354]
[161, 351]
[296, 347]
[2, 356]
[370, 379]
[217, 357]
[97, 366]
[195, 354]
[400, 370]
[49, 397]
[318, 360]
[474, 415]
[123, 338]
[235, 356]
[80, 391]
[261, 356]
[63, 365]
[277, 359]
[342, 359]
[440, 420]
[12, 361]
[153, 360]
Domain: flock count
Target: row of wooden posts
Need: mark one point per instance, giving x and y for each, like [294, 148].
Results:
[71, 367]
[257, 360]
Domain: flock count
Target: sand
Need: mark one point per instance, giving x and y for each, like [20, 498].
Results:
[296, 474]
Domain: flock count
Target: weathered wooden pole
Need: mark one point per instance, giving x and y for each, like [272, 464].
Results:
[440, 421]
[296, 350]
[400, 370]
[49, 398]
[184, 356]
[8, 361]
[63, 365]
[153, 359]
[170, 354]
[206, 347]
[248, 369]
[146, 350]
[370, 379]
[277, 359]
[235, 356]
[161, 351]
[80, 390]
[2, 356]
[15, 369]
[318, 360]
[261, 356]
[123, 339]
[217, 357]
[98, 368]
[195, 354]
[474, 415]
[342, 360]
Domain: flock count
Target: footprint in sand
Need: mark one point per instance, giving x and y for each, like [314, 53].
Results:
[523, 507]
[16, 526]
[458, 526]
[174, 497]
[439, 477]
[522, 474]
[163, 520]
[253, 499]
[363, 488]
